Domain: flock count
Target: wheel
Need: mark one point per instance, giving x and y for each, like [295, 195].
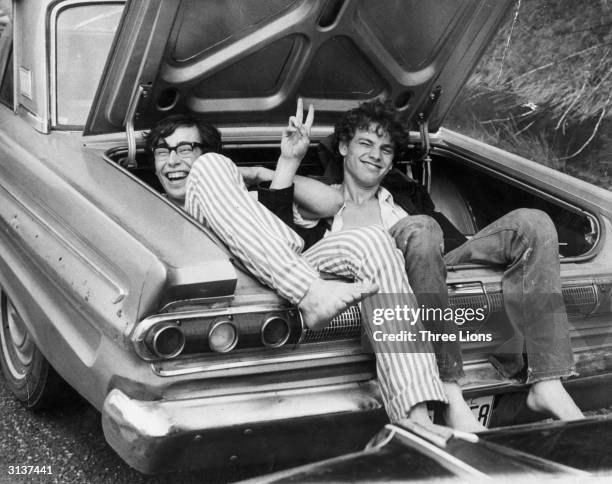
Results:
[26, 371]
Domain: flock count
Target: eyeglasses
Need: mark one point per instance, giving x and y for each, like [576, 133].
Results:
[184, 150]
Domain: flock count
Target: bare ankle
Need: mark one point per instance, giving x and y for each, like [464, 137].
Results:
[327, 299]
[457, 413]
[550, 397]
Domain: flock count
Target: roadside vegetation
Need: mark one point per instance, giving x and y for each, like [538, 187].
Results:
[544, 88]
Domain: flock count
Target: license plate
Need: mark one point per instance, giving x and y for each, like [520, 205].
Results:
[482, 408]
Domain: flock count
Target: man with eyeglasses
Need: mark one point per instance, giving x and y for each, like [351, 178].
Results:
[176, 142]
[213, 191]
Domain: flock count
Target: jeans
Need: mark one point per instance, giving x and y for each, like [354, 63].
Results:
[523, 242]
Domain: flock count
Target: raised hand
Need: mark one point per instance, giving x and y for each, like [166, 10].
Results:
[296, 137]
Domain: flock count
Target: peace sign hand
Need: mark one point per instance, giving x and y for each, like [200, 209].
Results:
[296, 136]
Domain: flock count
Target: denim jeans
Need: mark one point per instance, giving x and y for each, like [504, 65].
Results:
[523, 242]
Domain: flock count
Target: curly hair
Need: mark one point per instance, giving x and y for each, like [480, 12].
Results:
[382, 116]
[211, 137]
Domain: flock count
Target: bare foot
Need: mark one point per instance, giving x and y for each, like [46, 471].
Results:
[550, 397]
[418, 415]
[326, 299]
[457, 414]
[418, 421]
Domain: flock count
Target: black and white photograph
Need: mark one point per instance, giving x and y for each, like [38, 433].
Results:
[319, 241]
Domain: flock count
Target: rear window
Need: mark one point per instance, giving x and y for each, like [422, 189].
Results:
[84, 35]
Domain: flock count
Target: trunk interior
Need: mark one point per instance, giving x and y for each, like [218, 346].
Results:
[461, 190]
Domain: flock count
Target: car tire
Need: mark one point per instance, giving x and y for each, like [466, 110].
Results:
[27, 373]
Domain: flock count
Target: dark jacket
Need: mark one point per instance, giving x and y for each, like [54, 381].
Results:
[280, 203]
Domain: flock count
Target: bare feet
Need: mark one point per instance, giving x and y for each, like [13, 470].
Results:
[457, 414]
[550, 397]
[326, 299]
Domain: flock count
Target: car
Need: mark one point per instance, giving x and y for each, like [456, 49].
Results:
[569, 451]
[109, 288]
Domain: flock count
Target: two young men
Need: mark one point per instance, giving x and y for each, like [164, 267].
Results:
[367, 139]
[215, 194]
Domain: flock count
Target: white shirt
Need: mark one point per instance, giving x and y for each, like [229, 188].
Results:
[390, 213]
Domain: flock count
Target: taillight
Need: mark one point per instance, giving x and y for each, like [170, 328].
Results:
[221, 330]
[166, 340]
[222, 336]
[275, 332]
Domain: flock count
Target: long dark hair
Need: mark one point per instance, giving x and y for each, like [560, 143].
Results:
[211, 137]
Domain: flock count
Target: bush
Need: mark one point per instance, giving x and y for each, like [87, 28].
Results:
[544, 88]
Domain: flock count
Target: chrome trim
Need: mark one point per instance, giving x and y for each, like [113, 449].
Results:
[284, 339]
[260, 136]
[51, 61]
[234, 136]
[346, 356]
[233, 343]
[141, 329]
[129, 128]
[158, 332]
[347, 325]
[467, 289]
[176, 305]
[146, 323]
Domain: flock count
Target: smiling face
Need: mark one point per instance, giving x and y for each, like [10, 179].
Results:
[368, 157]
[172, 170]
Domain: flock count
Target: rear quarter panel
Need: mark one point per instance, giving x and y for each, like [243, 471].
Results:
[85, 252]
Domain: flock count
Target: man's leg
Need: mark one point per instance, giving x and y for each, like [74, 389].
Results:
[525, 242]
[407, 372]
[420, 239]
[217, 196]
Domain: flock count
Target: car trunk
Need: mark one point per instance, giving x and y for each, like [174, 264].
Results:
[461, 189]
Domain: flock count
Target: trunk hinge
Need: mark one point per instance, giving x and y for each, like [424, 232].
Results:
[141, 93]
[423, 120]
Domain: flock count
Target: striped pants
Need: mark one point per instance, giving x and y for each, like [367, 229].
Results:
[218, 197]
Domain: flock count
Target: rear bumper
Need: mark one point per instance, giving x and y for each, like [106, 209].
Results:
[260, 427]
[286, 427]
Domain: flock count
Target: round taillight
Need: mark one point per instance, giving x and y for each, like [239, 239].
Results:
[166, 341]
[222, 337]
[274, 332]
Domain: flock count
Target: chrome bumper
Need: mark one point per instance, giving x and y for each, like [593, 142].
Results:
[260, 427]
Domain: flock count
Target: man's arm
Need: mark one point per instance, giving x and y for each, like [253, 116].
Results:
[315, 199]
[254, 175]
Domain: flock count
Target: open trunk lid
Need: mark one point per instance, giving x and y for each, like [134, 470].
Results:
[245, 63]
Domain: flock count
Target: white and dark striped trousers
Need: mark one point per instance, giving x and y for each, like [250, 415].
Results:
[218, 197]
